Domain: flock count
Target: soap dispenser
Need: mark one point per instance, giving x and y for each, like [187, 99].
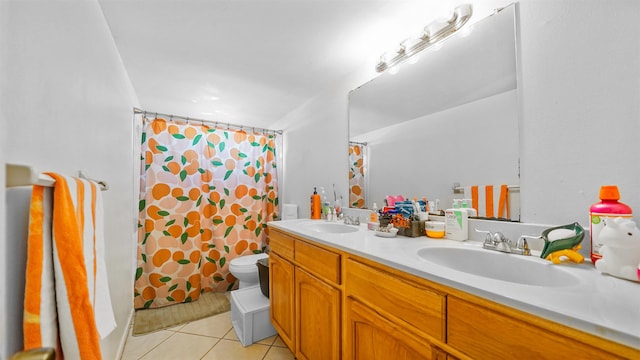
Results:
[315, 205]
[456, 222]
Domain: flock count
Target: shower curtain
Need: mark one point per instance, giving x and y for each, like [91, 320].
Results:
[356, 176]
[206, 196]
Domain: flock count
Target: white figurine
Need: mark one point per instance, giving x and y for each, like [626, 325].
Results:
[620, 239]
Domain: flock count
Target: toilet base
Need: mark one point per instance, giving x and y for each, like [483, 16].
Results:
[250, 315]
[246, 284]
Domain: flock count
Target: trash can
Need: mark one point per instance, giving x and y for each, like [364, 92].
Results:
[263, 273]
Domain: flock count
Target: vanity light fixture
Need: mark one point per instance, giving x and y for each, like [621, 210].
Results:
[432, 34]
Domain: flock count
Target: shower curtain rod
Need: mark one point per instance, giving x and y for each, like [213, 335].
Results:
[215, 123]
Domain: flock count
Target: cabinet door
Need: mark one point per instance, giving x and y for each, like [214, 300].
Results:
[318, 318]
[369, 336]
[282, 297]
[479, 332]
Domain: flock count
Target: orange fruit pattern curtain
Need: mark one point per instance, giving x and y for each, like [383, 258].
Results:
[206, 196]
[356, 176]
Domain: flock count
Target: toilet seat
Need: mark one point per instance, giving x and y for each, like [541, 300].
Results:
[247, 261]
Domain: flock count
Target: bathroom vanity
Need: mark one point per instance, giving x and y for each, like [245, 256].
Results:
[338, 291]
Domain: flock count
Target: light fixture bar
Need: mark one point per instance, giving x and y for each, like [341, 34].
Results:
[461, 15]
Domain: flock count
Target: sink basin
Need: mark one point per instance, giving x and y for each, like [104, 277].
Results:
[332, 228]
[495, 265]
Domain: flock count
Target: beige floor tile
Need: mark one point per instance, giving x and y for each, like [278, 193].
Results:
[228, 349]
[182, 346]
[278, 342]
[216, 326]
[279, 353]
[267, 341]
[231, 335]
[137, 346]
[177, 327]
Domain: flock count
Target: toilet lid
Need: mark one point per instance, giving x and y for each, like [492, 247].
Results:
[248, 260]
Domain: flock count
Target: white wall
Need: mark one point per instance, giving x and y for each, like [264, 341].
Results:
[3, 135]
[580, 64]
[427, 155]
[581, 111]
[68, 105]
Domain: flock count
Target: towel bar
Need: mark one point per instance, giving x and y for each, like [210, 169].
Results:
[25, 175]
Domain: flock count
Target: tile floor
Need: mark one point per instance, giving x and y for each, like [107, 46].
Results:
[207, 339]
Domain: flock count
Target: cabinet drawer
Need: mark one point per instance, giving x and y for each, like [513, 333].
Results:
[281, 243]
[321, 262]
[417, 305]
[478, 331]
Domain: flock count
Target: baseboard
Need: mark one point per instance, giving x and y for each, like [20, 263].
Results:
[125, 335]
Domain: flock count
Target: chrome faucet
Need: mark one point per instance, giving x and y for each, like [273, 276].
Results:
[351, 220]
[522, 246]
[498, 242]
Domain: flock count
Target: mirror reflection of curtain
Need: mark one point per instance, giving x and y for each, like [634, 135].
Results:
[356, 175]
[206, 196]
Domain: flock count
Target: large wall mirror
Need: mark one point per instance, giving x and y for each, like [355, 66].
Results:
[450, 118]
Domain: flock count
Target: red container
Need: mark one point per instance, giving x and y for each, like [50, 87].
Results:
[608, 207]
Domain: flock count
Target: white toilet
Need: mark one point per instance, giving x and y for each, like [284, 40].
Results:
[244, 268]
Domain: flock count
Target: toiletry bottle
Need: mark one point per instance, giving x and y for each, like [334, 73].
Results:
[470, 211]
[608, 207]
[374, 213]
[456, 223]
[326, 207]
[315, 205]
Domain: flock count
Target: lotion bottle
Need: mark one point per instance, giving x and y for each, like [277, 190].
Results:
[456, 222]
[315, 205]
[374, 214]
[470, 211]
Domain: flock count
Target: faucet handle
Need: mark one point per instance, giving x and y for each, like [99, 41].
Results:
[501, 242]
[488, 238]
[522, 246]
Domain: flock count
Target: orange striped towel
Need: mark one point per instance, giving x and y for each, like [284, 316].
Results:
[484, 200]
[67, 301]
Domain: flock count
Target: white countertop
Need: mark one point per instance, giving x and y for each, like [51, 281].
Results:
[596, 303]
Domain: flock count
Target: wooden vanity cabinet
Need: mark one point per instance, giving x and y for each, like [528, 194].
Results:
[477, 327]
[281, 298]
[307, 310]
[329, 304]
[390, 315]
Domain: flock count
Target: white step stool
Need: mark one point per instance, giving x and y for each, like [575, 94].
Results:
[250, 315]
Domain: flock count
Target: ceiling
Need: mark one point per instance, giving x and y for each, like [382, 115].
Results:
[252, 62]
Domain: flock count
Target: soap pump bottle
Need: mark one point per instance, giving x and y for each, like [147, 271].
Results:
[456, 222]
[326, 206]
[374, 214]
[470, 211]
[315, 205]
